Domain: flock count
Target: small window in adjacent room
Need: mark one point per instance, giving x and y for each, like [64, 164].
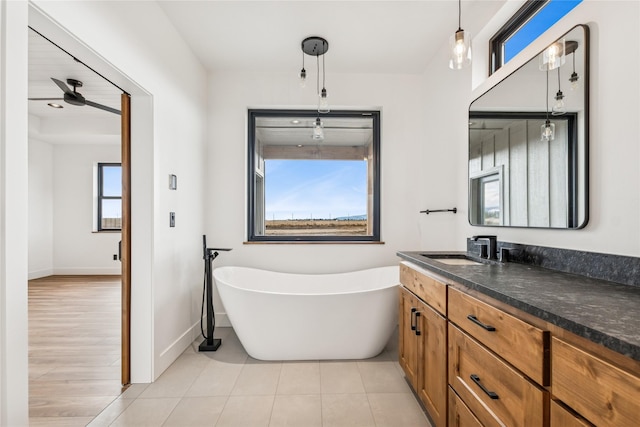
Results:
[313, 178]
[533, 19]
[109, 200]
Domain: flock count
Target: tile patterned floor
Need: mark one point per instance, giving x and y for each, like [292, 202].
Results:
[228, 388]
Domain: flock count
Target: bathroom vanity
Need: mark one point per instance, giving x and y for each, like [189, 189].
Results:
[485, 343]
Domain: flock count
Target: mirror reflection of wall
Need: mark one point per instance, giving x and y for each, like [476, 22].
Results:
[542, 181]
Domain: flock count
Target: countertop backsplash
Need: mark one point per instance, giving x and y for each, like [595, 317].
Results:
[614, 268]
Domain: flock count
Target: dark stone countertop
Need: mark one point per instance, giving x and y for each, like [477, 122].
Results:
[606, 313]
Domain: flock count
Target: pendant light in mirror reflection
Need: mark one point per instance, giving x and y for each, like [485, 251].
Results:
[553, 56]
[558, 107]
[460, 46]
[316, 46]
[318, 131]
[574, 76]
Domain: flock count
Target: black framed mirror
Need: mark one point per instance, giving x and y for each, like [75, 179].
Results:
[528, 142]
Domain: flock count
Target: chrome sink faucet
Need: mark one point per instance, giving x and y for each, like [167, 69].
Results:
[488, 246]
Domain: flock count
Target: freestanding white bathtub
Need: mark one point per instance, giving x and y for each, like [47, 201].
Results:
[282, 316]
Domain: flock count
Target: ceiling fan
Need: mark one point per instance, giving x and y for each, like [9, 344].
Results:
[74, 97]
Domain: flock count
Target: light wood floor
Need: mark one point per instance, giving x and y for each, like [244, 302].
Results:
[74, 348]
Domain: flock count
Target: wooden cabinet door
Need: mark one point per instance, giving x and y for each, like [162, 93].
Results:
[432, 362]
[408, 346]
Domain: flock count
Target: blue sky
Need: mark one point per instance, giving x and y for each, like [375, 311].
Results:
[112, 186]
[315, 188]
[538, 24]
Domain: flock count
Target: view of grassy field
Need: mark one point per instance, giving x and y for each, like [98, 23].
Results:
[317, 227]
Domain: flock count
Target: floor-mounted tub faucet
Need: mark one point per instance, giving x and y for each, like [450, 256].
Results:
[488, 246]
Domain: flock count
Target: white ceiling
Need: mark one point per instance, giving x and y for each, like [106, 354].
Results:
[339, 131]
[46, 60]
[396, 37]
[364, 36]
[70, 124]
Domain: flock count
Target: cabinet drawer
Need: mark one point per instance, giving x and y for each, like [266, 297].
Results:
[560, 417]
[521, 344]
[459, 414]
[426, 287]
[496, 393]
[597, 390]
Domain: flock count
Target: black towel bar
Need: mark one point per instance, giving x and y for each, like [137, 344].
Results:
[454, 210]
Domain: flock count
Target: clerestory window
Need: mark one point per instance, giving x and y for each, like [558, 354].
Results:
[529, 22]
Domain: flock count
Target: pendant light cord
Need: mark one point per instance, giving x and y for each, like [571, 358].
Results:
[459, 14]
[323, 73]
[317, 75]
[547, 96]
[559, 80]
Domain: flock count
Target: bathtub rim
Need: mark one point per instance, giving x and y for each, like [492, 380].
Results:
[379, 288]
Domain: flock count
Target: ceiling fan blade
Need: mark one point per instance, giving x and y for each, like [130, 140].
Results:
[102, 107]
[46, 99]
[63, 86]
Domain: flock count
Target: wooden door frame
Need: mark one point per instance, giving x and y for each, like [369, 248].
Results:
[125, 254]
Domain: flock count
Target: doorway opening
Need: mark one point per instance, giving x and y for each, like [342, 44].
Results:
[78, 359]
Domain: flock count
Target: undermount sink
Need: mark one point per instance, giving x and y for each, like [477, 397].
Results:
[451, 259]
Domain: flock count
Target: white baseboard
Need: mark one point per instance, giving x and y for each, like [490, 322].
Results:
[174, 350]
[40, 273]
[91, 271]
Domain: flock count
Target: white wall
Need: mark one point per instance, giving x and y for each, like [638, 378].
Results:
[40, 209]
[13, 221]
[402, 104]
[614, 224]
[76, 248]
[61, 239]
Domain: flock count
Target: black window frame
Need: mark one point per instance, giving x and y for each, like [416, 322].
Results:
[526, 12]
[374, 237]
[102, 197]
